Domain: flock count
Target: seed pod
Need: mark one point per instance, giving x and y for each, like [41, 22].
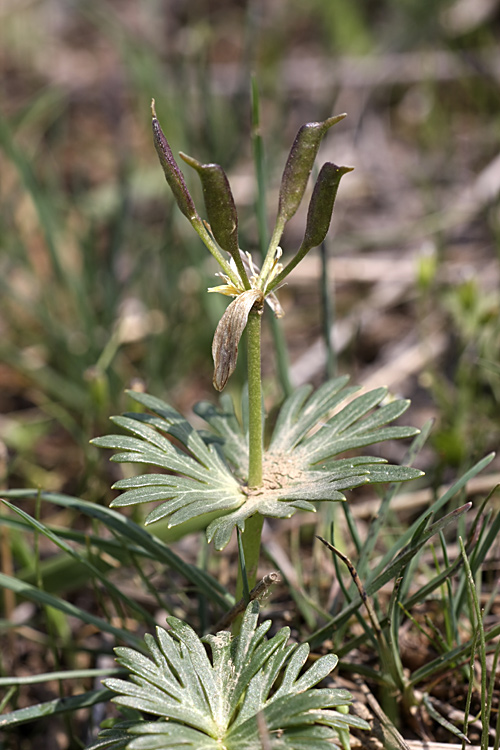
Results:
[174, 176]
[319, 216]
[219, 202]
[320, 210]
[299, 164]
[228, 334]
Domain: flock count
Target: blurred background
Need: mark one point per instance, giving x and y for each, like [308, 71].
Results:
[103, 282]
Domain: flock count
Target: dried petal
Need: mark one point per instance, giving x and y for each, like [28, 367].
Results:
[219, 202]
[275, 305]
[320, 210]
[174, 176]
[228, 334]
[299, 164]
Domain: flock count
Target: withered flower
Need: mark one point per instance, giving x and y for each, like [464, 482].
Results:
[228, 334]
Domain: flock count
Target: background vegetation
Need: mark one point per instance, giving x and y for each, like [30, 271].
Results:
[102, 283]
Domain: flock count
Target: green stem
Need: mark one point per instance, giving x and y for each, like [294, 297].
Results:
[254, 400]
[251, 537]
[201, 231]
[242, 271]
[328, 313]
[301, 253]
[271, 253]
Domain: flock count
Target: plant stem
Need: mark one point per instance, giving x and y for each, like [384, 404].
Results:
[254, 400]
[251, 536]
[271, 252]
[250, 539]
[209, 243]
[328, 313]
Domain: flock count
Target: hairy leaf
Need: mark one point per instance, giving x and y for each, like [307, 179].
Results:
[199, 483]
[206, 476]
[228, 699]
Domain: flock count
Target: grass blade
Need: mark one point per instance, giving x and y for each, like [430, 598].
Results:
[68, 674]
[130, 531]
[114, 590]
[32, 593]
[57, 706]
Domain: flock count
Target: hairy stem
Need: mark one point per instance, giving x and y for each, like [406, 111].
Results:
[254, 400]
[251, 536]
[251, 547]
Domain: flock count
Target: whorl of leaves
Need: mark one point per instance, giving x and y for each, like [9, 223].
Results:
[251, 690]
[205, 474]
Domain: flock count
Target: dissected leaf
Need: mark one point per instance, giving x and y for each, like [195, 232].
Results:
[224, 422]
[202, 483]
[225, 700]
[206, 477]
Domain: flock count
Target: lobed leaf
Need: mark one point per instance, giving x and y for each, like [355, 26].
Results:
[300, 466]
[223, 421]
[212, 703]
[296, 418]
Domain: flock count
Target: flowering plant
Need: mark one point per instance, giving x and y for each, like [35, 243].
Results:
[228, 478]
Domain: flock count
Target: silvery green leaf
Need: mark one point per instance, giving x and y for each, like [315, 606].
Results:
[199, 484]
[205, 479]
[224, 697]
[113, 738]
[296, 417]
[224, 422]
[165, 735]
[300, 465]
